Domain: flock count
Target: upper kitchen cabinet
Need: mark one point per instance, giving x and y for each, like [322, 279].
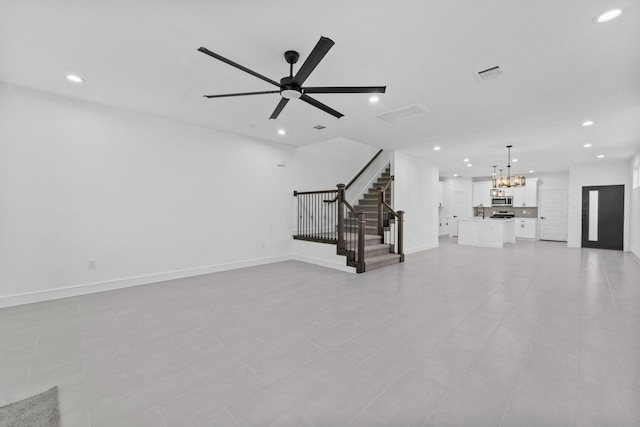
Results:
[527, 196]
[481, 193]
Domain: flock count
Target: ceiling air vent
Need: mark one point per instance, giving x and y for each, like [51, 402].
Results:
[319, 127]
[489, 73]
[403, 113]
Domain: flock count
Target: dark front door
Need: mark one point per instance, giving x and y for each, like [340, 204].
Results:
[603, 217]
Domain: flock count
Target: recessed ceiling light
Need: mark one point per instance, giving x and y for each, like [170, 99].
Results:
[607, 16]
[531, 171]
[514, 160]
[74, 78]
[281, 131]
[587, 145]
[587, 123]
[600, 156]
[374, 99]
[436, 148]
[465, 160]
[469, 165]
[456, 175]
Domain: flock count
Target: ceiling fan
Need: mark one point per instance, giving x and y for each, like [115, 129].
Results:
[290, 87]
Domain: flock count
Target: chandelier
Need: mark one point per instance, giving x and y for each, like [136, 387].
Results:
[510, 181]
[495, 191]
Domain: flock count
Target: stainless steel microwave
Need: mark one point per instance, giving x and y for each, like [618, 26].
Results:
[502, 201]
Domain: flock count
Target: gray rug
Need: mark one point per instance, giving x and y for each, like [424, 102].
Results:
[40, 410]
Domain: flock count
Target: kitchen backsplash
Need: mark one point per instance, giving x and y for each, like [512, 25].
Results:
[520, 212]
[526, 212]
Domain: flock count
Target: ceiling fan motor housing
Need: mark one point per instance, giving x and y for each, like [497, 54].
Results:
[288, 89]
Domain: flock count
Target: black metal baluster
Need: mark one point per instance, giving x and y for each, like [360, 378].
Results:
[306, 215]
[299, 216]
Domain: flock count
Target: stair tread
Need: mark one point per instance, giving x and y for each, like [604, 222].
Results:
[382, 244]
[382, 258]
[366, 236]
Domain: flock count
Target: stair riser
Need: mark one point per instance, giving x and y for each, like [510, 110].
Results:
[376, 252]
[377, 265]
[371, 267]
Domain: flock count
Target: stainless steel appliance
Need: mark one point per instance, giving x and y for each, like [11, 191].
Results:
[497, 202]
[503, 214]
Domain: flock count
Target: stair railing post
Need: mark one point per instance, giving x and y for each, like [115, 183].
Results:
[341, 245]
[400, 235]
[361, 224]
[380, 212]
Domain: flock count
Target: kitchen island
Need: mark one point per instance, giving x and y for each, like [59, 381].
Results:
[487, 232]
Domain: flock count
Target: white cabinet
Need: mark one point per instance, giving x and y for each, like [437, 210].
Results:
[527, 196]
[526, 228]
[440, 194]
[443, 226]
[481, 193]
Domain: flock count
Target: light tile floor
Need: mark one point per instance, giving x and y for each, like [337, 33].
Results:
[533, 335]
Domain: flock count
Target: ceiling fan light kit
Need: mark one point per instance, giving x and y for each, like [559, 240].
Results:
[290, 87]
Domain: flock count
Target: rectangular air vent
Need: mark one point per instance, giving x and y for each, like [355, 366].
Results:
[489, 73]
[403, 113]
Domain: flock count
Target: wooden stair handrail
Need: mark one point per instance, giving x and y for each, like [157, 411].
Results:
[386, 186]
[362, 170]
[295, 193]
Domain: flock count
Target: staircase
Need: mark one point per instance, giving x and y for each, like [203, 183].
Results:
[376, 253]
[327, 216]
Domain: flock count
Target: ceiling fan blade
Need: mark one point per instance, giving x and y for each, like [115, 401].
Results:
[241, 94]
[312, 61]
[345, 89]
[279, 108]
[320, 105]
[238, 66]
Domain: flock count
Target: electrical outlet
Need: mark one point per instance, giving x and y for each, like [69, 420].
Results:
[93, 264]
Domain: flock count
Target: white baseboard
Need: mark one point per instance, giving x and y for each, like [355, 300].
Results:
[421, 248]
[109, 285]
[324, 263]
[89, 288]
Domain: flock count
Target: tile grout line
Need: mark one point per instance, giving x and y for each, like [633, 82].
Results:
[164, 422]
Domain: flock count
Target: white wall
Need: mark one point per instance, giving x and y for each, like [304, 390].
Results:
[591, 174]
[147, 198]
[323, 165]
[634, 222]
[552, 181]
[416, 193]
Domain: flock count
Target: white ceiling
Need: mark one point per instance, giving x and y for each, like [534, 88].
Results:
[560, 69]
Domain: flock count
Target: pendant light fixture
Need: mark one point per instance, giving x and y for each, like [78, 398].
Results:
[495, 191]
[510, 181]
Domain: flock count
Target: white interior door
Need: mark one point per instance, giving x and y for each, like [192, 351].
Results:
[460, 208]
[553, 213]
